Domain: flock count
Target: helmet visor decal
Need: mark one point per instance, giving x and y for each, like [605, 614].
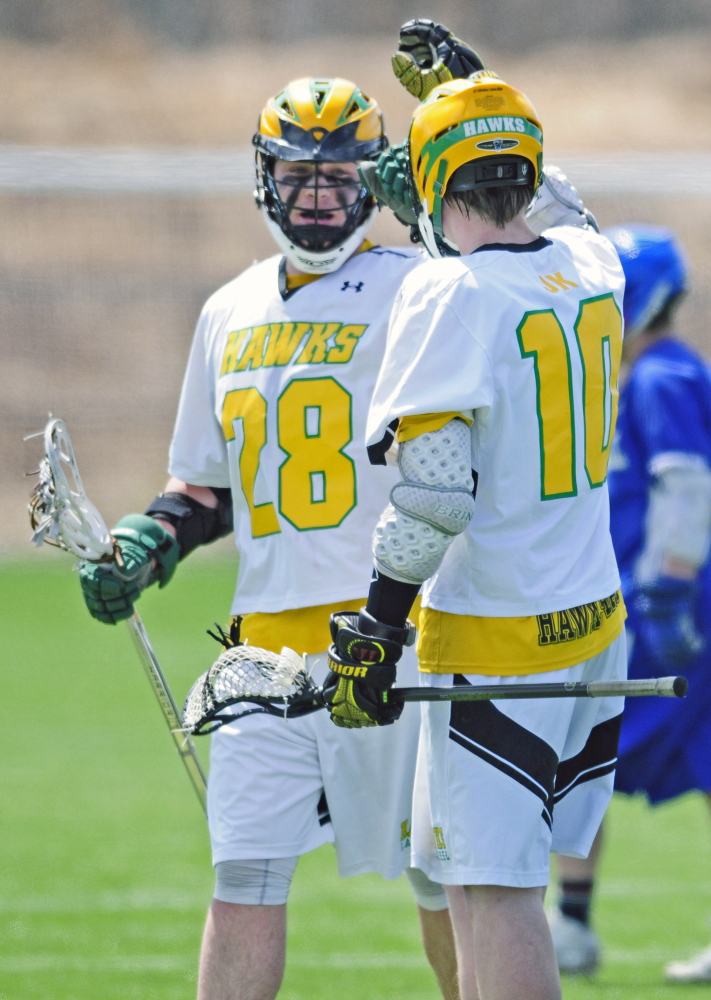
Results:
[319, 144]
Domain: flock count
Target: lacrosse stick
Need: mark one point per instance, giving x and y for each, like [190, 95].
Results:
[280, 685]
[61, 514]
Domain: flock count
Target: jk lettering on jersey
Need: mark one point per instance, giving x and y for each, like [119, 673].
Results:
[357, 286]
[556, 282]
[275, 345]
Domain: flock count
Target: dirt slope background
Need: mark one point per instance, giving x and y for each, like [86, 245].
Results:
[99, 293]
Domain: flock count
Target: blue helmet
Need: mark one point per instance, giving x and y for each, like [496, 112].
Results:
[655, 271]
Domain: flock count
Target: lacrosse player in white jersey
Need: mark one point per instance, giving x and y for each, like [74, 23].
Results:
[269, 438]
[501, 373]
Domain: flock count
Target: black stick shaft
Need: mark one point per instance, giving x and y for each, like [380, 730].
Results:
[664, 687]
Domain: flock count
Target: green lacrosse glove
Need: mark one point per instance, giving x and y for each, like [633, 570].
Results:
[429, 54]
[362, 659]
[388, 182]
[146, 553]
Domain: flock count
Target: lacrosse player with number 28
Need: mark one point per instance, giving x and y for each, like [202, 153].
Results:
[501, 374]
[268, 442]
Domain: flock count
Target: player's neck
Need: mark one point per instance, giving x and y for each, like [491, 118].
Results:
[293, 272]
[472, 232]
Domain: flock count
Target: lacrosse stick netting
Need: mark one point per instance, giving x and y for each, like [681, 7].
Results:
[277, 683]
[61, 514]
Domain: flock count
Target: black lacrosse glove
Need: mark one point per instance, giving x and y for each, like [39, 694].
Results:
[429, 54]
[362, 659]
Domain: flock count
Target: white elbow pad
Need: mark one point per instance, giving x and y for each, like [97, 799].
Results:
[431, 505]
[557, 203]
[679, 515]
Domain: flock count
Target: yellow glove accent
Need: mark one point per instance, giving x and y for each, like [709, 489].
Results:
[345, 712]
[417, 81]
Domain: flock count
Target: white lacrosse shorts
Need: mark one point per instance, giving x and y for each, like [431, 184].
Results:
[268, 776]
[507, 782]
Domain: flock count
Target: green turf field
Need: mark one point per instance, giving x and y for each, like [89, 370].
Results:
[104, 854]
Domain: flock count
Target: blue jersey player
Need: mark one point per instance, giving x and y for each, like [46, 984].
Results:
[660, 513]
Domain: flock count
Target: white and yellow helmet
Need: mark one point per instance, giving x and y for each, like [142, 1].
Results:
[327, 120]
[485, 131]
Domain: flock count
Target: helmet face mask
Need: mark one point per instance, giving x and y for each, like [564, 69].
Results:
[310, 137]
[470, 133]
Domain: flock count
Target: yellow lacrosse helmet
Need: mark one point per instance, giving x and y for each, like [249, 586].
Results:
[485, 131]
[325, 120]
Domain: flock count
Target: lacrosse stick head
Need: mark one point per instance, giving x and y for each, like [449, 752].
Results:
[61, 514]
[276, 682]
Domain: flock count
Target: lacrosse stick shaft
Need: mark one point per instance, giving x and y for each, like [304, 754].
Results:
[183, 743]
[664, 687]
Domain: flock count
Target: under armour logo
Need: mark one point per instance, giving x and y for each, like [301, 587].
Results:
[347, 284]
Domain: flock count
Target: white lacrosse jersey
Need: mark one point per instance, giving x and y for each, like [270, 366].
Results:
[274, 406]
[527, 341]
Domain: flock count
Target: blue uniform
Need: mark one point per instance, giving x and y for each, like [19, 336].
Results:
[665, 406]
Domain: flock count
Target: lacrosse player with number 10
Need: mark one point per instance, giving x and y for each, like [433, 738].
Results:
[501, 375]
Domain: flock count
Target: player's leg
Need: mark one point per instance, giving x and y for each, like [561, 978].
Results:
[265, 801]
[461, 917]
[495, 800]
[368, 777]
[437, 932]
[513, 950]
[577, 947]
[583, 786]
[243, 952]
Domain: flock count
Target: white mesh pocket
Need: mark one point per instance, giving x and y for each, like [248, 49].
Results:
[242, 673]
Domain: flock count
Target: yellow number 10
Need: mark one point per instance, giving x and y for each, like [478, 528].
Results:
[317, 483]
[598, 333]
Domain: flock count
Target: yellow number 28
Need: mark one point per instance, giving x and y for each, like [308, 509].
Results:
[317, 481]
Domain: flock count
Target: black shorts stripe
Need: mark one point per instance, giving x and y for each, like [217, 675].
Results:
[502, 765]
[324, 816]
[480, 728]
[598, 757]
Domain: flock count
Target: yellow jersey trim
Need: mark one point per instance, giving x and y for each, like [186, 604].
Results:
[421, 423]
[467, 644]
[305, 630]
[298, 280]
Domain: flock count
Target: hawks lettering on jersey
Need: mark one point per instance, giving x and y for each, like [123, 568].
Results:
[274, 405]
[279, 344]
